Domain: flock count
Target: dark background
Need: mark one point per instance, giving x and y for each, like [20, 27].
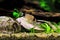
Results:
[11, 4]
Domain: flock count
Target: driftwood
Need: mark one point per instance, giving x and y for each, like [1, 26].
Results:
[47, 14]
[39, 13]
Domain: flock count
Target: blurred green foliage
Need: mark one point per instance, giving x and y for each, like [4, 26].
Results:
[47, 4]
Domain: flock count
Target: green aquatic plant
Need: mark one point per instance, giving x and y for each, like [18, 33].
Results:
[16, 13]
[58, 28]
[32, 30]
[46, 27]
[57, 25]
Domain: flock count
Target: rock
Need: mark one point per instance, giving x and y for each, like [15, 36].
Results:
[23, 21]
[30, 18]
[8, 24]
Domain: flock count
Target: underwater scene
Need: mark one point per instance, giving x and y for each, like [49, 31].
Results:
[29, 19]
